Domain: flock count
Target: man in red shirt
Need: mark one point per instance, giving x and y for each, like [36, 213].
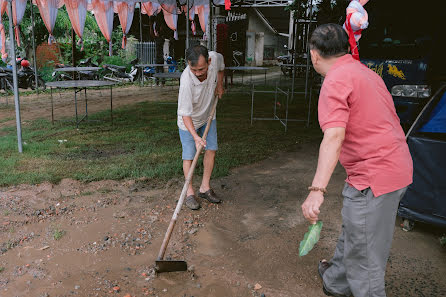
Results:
[362, 131]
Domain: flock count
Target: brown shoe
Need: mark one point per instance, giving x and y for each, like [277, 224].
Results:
[192, 203]
[210, 196]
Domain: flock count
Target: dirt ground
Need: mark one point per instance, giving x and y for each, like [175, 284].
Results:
[102, 238]
[111, 232]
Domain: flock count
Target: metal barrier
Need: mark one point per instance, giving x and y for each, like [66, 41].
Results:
[146, 52]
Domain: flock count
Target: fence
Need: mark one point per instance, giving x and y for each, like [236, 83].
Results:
[146, 52]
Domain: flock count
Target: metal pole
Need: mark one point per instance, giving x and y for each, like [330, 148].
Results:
[34, 47]
[187, 25]
[293, 60]
[73, 51]
[211, 25]
[14, 74]
[140, 22]
[308, 53]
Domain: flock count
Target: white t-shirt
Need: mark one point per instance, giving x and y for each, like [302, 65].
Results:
[195, 98]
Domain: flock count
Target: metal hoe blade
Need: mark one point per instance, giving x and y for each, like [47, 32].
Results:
[170, 266]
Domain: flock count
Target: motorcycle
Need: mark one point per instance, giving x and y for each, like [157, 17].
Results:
[25, 75]
[88, 75]
[286, 61]
[60, 75]
[118, 74]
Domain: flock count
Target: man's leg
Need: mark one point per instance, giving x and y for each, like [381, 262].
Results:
[186, 167]
[189, 150]
[369, 224]
[208, 164]
[335, 278]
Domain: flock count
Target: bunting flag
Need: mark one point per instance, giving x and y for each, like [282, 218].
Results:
[77, 12]
[191, 17]
[3, 6]
[48, 11]
[171, 21]
[3, 42]
[203, 16]
[125, 12]
[103, 12]
[150, 8]
[18, 10]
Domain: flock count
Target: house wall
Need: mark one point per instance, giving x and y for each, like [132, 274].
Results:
[272, 42]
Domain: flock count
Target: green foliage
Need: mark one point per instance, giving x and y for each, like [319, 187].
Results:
[46, 73]
[443, 240]
[182, 64]
[310, 238]
[2, 269]
[58, 233]
[325, 11]
[294, 6]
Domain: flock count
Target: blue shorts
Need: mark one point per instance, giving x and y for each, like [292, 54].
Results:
[188, 142]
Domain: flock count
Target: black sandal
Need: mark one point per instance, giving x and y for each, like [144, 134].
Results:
[192, 203]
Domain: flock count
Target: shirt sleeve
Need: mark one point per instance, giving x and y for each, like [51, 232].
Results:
[220, 62]
[185, 107]
[333, 107]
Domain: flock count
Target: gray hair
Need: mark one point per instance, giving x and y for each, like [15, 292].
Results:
[330, 40]
[194, 52]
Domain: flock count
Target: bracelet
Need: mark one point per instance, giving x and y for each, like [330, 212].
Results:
[312, 189]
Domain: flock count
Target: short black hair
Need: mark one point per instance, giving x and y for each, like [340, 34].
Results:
[330, 40]
[194, 52]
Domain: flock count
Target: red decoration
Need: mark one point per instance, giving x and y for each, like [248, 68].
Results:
[228, 4]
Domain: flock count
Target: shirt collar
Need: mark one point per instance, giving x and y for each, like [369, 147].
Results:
[345, 59]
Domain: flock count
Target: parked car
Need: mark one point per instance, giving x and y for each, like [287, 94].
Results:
[408, 55]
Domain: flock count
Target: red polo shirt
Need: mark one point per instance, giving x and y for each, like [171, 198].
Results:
[374, 153]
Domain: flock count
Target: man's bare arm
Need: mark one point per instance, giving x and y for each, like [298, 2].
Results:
[329, 151]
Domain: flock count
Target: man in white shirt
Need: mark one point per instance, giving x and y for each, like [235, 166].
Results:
[200, 82]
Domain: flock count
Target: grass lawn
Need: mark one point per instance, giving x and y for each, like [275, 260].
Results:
[143, 142]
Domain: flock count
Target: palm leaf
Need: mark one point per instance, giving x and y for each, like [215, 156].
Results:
[310, 238]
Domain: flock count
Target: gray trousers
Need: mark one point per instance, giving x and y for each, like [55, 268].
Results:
[359, 262]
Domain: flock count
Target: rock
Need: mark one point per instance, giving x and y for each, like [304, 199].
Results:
[106, 238]
[250, 286]
[257, 286]
[263, 295]
[45, 295]
[119, 215]
[152, 219]
[77, 287]
[193, 231]
[198, 286]
[191, 268]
